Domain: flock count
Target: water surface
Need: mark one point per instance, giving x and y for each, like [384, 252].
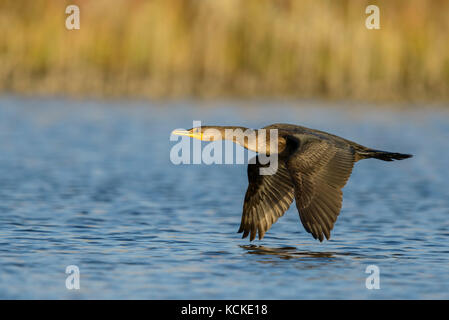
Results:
[91, 184]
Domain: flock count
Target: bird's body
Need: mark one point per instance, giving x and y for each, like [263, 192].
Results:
[313, 167]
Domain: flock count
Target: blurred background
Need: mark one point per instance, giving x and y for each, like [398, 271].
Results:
[85, 122]
[222, 48]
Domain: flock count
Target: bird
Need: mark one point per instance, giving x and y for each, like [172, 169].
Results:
[313, 167]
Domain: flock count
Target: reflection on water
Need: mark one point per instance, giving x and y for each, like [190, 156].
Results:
[91, 184]
[285, 252]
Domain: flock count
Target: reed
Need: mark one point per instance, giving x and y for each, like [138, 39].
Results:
[210, 48]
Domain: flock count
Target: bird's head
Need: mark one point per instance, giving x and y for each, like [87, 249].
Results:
[204, 133]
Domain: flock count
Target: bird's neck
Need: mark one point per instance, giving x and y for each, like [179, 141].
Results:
[257, 140]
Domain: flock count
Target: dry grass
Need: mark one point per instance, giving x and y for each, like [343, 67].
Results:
[167, 48]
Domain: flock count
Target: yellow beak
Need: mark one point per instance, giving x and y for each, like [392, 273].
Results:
[187, 134]
[182, 133]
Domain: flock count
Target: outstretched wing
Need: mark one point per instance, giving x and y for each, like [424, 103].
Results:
[319, 170]
[267, 199]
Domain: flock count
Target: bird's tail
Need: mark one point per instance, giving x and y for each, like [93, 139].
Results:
[383, 155]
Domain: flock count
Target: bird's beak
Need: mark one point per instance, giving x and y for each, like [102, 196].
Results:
[182, 133]
[186, 133]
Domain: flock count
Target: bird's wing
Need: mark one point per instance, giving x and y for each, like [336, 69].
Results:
[319, 170]
[267, 199]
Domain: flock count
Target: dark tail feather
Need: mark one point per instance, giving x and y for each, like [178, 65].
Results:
[383, 155]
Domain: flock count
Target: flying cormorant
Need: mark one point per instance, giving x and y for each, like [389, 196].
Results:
[313, 167]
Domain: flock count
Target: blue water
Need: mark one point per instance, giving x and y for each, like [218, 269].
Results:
[91, 184]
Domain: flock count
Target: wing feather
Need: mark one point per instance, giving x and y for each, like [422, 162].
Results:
[319, 171]
[267, 199]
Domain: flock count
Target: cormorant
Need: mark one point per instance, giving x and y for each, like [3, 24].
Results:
[313, 167]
